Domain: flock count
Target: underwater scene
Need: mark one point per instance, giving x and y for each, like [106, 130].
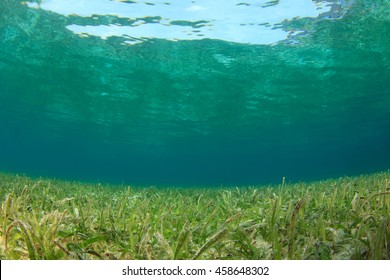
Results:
[204, 129]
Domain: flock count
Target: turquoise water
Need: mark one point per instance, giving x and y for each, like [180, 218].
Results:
[194, 92]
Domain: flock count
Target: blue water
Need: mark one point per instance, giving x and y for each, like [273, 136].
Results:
[194, 92]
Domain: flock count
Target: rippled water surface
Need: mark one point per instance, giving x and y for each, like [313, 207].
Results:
[205, 92]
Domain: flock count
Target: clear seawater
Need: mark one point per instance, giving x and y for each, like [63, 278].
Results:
[205, 92]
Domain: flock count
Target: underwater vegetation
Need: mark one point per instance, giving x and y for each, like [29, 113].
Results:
[345, 218]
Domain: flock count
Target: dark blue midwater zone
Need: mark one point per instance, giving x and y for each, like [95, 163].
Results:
[30, 148]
